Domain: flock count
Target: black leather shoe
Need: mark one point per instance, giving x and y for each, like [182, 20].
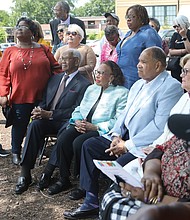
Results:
[16, 159]
[81, 214]
[77, 194]
[58, 187]
[44, 181]
[22, 184]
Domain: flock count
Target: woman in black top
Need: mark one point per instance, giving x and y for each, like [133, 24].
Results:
[180, 42]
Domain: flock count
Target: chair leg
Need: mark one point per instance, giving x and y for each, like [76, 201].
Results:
[42, 151]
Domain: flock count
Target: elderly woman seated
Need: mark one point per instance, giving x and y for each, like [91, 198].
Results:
[74, 36]
[101, 105]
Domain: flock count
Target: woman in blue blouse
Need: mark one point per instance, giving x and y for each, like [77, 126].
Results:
[100, 107]
[139, 37]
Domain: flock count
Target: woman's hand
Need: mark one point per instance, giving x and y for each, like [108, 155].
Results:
[3, 101]
[84, 126]
[135, 192]
[80, 126]
[183, 32]
[152, 187]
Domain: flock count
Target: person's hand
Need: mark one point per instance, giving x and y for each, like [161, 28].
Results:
[152, 187]
[117, 147]
[183, 32]
[39, 113]
[3, 101]
[134, 192]
[90, 126]
[148, 150]
[80, 126]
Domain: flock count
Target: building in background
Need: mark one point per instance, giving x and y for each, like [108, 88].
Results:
[164, 10]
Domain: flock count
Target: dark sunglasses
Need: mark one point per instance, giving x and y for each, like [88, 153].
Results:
[60, 31]
[73, 33]
[176, 26]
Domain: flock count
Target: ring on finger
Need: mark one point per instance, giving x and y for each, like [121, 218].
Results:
[128, 194]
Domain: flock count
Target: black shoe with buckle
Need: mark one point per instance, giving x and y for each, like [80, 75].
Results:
[59, 186]
[44, 181]
[22, 184]
[81, 214]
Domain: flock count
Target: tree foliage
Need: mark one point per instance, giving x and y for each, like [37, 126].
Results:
[95, 8]
[5, 19]
[41, 10]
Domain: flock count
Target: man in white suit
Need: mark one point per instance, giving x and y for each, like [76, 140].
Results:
[144, 117]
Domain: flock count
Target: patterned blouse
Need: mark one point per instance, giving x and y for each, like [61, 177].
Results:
[108, 53]
[175, 166]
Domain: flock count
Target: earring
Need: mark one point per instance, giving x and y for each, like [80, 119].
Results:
[110, 83]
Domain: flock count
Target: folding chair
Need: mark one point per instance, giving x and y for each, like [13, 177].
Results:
[50, 139]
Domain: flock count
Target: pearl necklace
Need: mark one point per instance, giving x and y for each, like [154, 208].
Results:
[26, 65]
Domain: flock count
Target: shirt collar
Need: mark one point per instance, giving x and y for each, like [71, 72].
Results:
[67, 21]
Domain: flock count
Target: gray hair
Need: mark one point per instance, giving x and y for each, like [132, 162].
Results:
[110, 30]
[75, 53]
[184, 60]
[182, 21]
[78, 29]
[64, 5]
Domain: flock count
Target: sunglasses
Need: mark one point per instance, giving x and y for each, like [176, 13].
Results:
[73, 33]
[185, 71]
[60, 31]
[176, 26]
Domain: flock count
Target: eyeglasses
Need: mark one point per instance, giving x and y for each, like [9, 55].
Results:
[22, 27]
[73, 33]
[185, 71]
[130, 17]
[176, 26]
[60, 31]
[97, 72]
[65, 59]
[54, 9]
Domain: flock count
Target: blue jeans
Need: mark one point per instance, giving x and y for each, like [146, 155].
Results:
[21, 118]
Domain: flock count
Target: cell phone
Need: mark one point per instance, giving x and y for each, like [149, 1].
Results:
[119, 179]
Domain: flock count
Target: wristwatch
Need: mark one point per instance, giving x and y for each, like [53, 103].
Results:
[184, 38]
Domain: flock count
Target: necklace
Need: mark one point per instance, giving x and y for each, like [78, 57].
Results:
[29, 63]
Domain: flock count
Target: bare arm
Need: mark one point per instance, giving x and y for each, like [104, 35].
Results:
[174, 211]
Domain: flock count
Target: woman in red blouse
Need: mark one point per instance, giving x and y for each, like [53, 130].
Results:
[24, 71]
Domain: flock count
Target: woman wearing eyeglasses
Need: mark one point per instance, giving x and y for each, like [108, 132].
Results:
[180, 43]
[74, 36]
[61, 33]
[139, 37]
[101, 105]
[24, 71]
